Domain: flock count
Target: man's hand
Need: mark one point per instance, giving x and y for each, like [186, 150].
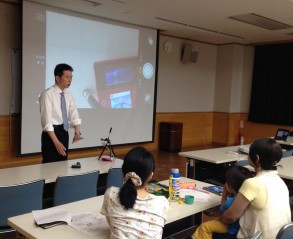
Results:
[76, 138]
[60, 148]
[58, 145]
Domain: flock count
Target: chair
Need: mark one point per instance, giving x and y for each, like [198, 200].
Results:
[19, 199]
[285, 232]
[256, 235]
[243, 162]
[115, 178]
[287, 153]
[75, 187]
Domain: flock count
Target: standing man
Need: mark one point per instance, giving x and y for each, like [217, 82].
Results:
[58, 113]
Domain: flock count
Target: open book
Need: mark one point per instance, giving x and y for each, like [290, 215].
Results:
[51, 217]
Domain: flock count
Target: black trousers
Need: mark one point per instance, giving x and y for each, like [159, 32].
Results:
[224, 236]
[49, 152]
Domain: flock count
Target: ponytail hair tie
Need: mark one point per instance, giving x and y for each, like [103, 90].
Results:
[134, 178]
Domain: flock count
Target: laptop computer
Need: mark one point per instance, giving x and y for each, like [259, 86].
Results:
[282, 134]
[290, 138]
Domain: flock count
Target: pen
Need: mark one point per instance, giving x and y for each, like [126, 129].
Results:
[201, 190]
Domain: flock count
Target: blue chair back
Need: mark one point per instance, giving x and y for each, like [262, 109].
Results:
[286, 232]
[115, 178]
[20, 199]
[75, 187]
[287, 153]
[242, 163]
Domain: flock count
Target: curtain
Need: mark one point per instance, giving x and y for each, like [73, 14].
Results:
[272, 85]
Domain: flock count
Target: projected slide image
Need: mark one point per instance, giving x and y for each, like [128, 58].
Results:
[119, 76]
[121, 100]
[116, 82]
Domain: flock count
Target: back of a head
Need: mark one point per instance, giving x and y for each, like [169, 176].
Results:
[268, 151]
[236, 175]
[138, 162]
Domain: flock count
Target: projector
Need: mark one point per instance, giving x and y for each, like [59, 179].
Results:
[244, 149]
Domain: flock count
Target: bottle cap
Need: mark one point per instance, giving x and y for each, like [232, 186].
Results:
[175, 170]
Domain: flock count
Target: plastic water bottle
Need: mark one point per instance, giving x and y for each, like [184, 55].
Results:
[174, 185]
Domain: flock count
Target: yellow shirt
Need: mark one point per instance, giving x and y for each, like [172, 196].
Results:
[255, 191]
[269, 207]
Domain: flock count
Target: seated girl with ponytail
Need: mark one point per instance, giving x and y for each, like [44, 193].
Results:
[131, 211]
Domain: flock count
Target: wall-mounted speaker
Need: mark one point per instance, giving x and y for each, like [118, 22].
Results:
[189, 53]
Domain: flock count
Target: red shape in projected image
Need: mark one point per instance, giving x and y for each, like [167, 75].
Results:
[116, 82]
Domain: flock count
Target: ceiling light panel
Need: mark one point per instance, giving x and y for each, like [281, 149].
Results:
[260, 21]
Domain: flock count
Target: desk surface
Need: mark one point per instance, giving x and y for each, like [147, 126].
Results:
[286, 169]
[230, 154]
[216, 156]
[50, 171]
[25, 225]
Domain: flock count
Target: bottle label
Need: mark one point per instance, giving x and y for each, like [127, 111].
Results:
[174, 188]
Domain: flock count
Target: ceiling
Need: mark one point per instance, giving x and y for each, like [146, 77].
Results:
[199, 20]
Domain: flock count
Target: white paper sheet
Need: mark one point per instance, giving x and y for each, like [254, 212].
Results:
[51, 215]
[89, 223]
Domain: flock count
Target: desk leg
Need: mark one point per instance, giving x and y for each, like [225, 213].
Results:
[190, 169]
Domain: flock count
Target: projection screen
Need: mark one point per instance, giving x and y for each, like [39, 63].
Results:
[114, 78]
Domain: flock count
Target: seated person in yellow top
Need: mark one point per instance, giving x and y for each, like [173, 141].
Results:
[262, 203]
[132, 212]
[235, 176]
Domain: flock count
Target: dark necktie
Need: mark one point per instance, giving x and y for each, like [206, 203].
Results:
[64, 112]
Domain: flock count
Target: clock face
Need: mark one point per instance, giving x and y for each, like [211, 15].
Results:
[167, 46]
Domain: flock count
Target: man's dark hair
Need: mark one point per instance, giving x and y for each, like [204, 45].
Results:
[60, 68]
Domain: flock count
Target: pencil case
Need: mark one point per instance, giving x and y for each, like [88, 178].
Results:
[184, 185]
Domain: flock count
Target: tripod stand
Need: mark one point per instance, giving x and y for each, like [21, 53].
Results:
[107, 145]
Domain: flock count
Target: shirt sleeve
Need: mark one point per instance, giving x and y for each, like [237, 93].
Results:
[104, 206]
[255, 192]
[249, 189]
[227, 204]
[46, 112]
[165, 208]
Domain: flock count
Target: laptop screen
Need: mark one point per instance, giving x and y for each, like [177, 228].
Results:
[282, 134]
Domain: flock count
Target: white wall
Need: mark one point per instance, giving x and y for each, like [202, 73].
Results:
[186, 87]
[233, 78]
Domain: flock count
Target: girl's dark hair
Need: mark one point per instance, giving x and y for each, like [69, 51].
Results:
[142, 162]
[236, 175]
[268, 151]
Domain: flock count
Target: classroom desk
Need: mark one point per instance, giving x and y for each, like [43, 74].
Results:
[25, 225]
[285, 170]
[50, 171]
[285, 145]
[227, 155]
[208, 163]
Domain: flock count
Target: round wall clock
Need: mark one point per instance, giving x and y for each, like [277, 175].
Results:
[167, 46]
